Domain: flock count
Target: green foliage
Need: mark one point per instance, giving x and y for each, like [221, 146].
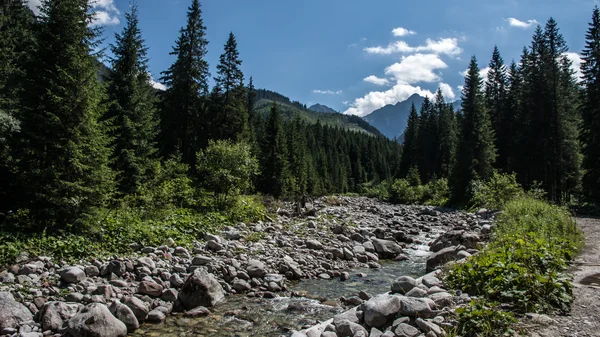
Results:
[402, 192]
[227, 168]
[254, 237]
[525, 263]
[436, 192]
[483, 319]
[495, 192]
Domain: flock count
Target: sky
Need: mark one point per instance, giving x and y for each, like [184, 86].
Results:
[353, 55]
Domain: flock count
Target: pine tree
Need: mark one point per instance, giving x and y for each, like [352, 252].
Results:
[590, 131]
[63, 153]
[184, 122]
[496, 104]
[297, 156]
[229, 108]
[447, 137]
[476, 152]
[514, 117]
[132, 107]
[411, 139]
[428, 143]
[275, 166]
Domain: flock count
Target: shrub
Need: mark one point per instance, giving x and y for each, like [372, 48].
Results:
[227, 169]
[380, 191]
[483, 319]
[437, 192]
[402, 192]
[496, 192]
[524, 263]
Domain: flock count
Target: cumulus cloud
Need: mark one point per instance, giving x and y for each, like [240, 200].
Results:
[156, 85]
[521, 24]
[327, 92]
[576, 62]
[34, 6]
[483, 73]
[103, 18]
[447, 46]
[374, 100]
[416, 68]
[376, 80]
[403, 32]
[447, 91]
[105, 11]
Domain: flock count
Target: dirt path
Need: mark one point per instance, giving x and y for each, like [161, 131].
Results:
[584, 319]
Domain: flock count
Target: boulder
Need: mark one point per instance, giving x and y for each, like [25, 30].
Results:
[138, 307]
[256, 268]
[314, 244]
[55, 314]
[442, 299]
[347, 328]
[415, 307]
[125, 315]
[12, 312]
[201, 260]
[403, 284]
[405, 330]
[200, 289]
[72, 275]
[380, 309]
[352, 315]
[95, 320]
[150, 288]
[443, 256]
[429, 327]
[386, 248]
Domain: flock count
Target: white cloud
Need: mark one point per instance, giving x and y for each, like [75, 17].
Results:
[157, 85]
[416, 68]
[102, 18]
[108, 5]
[576, 61]
[447, 46]
[327, 92]
[521, 24]
[33, 5]
[403, 32]
[460, 88]
[374, 100]
[353, 45]
[447, 91]
[376, 80]
[483, 73]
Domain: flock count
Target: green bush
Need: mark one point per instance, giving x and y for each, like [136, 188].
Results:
[402, 192]
[380, 191]
[483, 319]
[496, 192]
[524, 263]
[436, 192]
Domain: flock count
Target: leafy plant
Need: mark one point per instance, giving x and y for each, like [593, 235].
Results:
[483, 319]
[495, 192]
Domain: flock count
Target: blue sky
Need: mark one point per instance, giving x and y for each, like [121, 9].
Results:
[354, 55]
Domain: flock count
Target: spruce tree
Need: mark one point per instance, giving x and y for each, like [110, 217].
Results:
[590, 131]
[496, 104]
[476, 152]
[514, 117]
[447, 137]
[184, 121]
[275, 166]
[229, 109]
[132, 107]
[63, 153]
[411, 139]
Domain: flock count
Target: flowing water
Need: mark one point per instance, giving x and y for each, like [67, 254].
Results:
[244, 317]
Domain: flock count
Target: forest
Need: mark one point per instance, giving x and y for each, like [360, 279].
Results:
[76, 143]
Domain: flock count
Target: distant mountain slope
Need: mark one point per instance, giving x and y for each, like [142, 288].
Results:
[391, 119]
[321, 108]
[290, 109]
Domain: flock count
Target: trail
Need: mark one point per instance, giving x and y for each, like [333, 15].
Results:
[584, 319]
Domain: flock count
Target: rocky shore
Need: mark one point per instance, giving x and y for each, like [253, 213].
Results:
[112, 297]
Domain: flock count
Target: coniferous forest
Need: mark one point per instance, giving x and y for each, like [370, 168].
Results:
[76, 140]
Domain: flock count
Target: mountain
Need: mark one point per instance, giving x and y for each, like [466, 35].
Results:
[291, 109]
[391, 119]
[321, 108]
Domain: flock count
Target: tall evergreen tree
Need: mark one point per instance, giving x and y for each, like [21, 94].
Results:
[447, 137]
[183, 121]
[590, 131]
[476, 153]
[230, 109]
[63, 153]
[132, 107]
[411, 142]
[514, 116]
[275, 166]
[496, 104]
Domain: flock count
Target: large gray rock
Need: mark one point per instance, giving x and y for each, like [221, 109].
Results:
[139, 308]
[72, 275]
[314, 244]
[428, 326]
[352, 315]
[12, 312]
[347, 328]
[386, 248]
[55, 314]
[403, 284]
[380, 309]
[200, 289]
[442, 299]
[415, 307]
[150, 288]
[443, 256]
[405, 330]
[95, 320]
[256, 268]
[125, 315]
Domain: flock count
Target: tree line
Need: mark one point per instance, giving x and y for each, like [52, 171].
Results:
[74, 140]
[534, 118]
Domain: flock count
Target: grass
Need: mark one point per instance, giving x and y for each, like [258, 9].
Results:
[112, 231]
[523, 266]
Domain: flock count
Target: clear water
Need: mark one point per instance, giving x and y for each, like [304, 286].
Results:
[244, 317]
